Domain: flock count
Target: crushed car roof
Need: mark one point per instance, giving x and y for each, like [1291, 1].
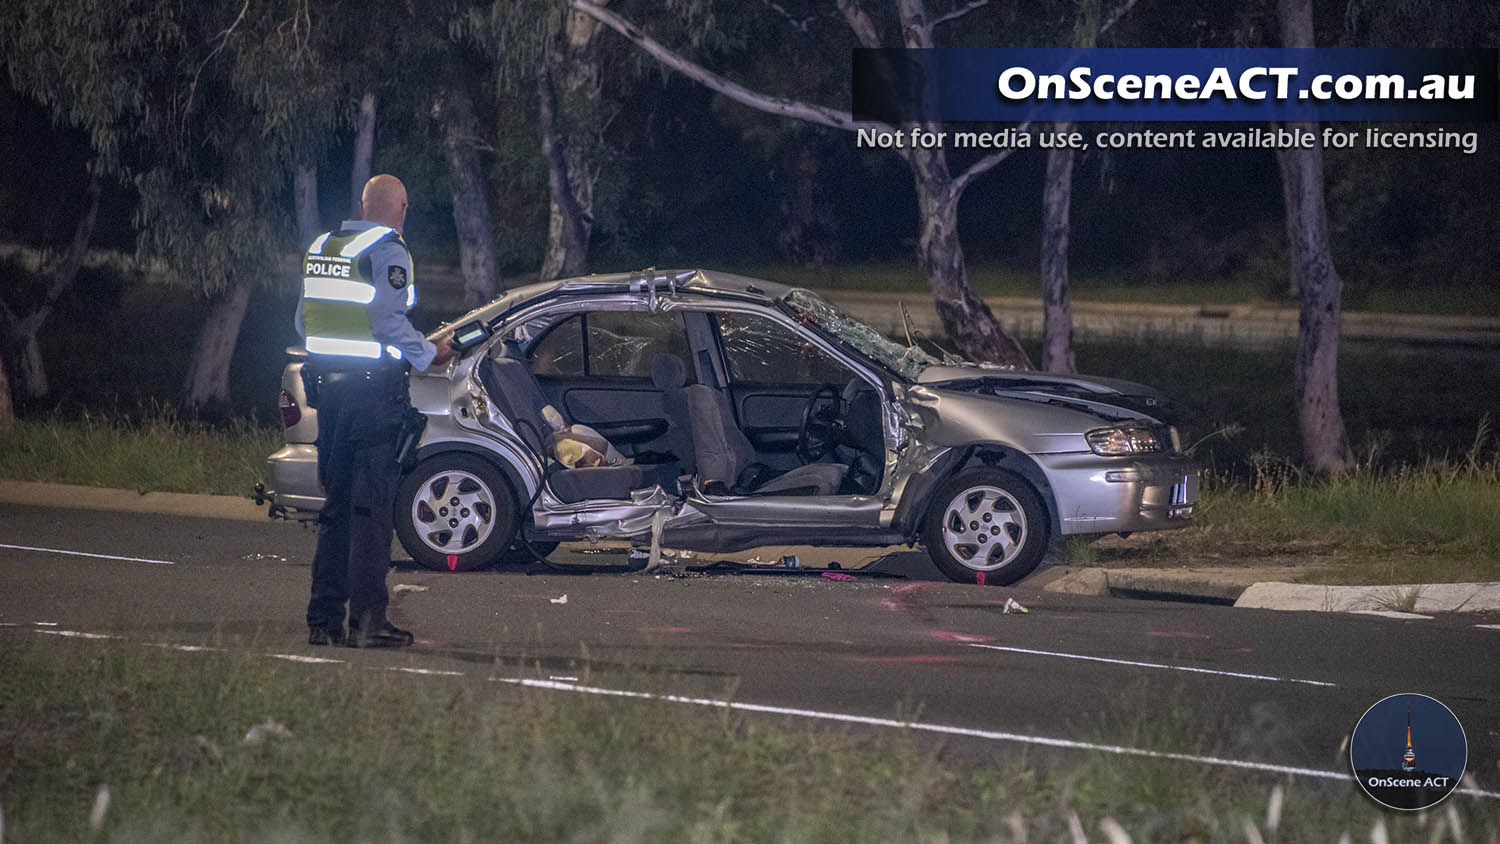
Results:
[695, 280]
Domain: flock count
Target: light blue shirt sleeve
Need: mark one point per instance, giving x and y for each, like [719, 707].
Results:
[390, 270]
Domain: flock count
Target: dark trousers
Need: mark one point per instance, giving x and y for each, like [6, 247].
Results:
[359, 422]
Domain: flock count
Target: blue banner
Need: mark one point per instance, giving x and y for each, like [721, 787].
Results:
[1173, 84]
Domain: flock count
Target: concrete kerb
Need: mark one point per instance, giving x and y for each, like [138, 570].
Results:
[76, 497]
[1404, 598]
[1217, 585]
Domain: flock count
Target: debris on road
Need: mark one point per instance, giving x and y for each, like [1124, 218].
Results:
[561, 600]
[266, 729]
[407, 587]
[101, 806]
[1011, 606]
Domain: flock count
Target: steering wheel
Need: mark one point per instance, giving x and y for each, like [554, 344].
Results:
[822, 427]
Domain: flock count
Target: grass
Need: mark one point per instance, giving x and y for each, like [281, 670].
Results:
[377, 756]
[1435, 521]
[157, 453]
[1399, 599]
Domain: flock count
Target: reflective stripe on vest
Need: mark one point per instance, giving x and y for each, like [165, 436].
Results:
[336, 295]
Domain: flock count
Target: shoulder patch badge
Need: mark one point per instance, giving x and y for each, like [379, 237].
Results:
[397, 277]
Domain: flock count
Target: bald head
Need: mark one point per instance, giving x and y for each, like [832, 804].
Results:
[384, 201]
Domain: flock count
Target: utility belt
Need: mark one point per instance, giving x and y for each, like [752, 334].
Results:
[324, 371]
[383, 378]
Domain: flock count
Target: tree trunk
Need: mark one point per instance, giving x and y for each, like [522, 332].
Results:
[364, 151]
[1057, 309]
[570, 222]
[32, 371]
[207, 385]
[7, 409]
[1325, 444]
[569, 93]
[966, 318]
[305, 195]
[471, 205]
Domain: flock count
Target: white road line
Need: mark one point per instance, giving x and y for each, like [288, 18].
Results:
[74, 634]
[428, 671]
[86, 554]
[947, 729]
[1488, 626]
[300, 658]
[1154, 665]
[45, 623]
[192, 649]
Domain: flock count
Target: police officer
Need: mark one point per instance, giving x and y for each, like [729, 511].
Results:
[357, 285]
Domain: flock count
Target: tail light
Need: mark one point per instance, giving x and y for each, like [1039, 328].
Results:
[291, 414]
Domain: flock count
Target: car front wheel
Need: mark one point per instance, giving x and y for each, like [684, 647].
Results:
[455, 512]
[986, 526]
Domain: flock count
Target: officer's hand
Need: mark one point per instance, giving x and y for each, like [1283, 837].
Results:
[446, 351]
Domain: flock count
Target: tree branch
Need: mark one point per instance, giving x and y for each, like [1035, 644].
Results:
[780, 106]
[980, 167]
[223, 39]
[1115, 16]
[960, 12]
[860, 21]
[801, 26]
[916, 32]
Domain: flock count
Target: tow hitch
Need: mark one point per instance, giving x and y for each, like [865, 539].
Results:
[263, 495]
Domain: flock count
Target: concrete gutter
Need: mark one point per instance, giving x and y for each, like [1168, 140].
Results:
[1411, 597]
[1268, 588]
[76, 497]
[1211, 585]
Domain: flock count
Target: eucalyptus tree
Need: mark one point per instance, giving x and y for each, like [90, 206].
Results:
[1325, 443]
[1057, 199]
[967, 320]
[570, 120]
[201, 108]
[83, 83]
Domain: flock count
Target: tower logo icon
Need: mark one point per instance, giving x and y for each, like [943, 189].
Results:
[1389, 769]
[1409, 758]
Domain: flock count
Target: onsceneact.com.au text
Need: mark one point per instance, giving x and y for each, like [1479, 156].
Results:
[1253, 83]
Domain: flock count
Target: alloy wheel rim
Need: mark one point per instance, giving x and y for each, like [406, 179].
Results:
[984, 528]
[453, 512]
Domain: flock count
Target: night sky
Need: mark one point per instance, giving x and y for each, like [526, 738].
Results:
[1381, 738]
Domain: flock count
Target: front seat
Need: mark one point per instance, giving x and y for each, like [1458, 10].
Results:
[669, 374]
[512, 386]
[724, 454]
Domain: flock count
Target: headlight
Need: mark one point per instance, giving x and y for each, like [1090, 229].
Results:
[1126, 439]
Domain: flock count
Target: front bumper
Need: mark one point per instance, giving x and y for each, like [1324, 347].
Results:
[295, 490]
[1097, 494]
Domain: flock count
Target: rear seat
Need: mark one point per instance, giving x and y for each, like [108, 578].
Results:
[514, 389]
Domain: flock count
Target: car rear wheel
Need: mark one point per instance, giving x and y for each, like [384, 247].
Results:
[455, 512]
[986, 526]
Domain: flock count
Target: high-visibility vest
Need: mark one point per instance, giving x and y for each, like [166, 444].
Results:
[336, 294]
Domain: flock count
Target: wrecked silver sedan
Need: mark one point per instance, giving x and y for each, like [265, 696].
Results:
[713, 412]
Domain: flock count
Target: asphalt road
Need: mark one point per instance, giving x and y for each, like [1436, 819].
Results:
[1075, 675]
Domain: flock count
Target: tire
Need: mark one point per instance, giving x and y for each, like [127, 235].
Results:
[486, 513]
[969, 515]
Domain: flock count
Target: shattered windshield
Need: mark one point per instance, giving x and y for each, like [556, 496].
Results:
[811, 309]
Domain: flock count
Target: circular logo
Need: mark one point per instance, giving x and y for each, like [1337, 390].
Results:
[1408, 752]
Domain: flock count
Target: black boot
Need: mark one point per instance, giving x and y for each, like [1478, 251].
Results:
[325, 635]
[381, 634]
